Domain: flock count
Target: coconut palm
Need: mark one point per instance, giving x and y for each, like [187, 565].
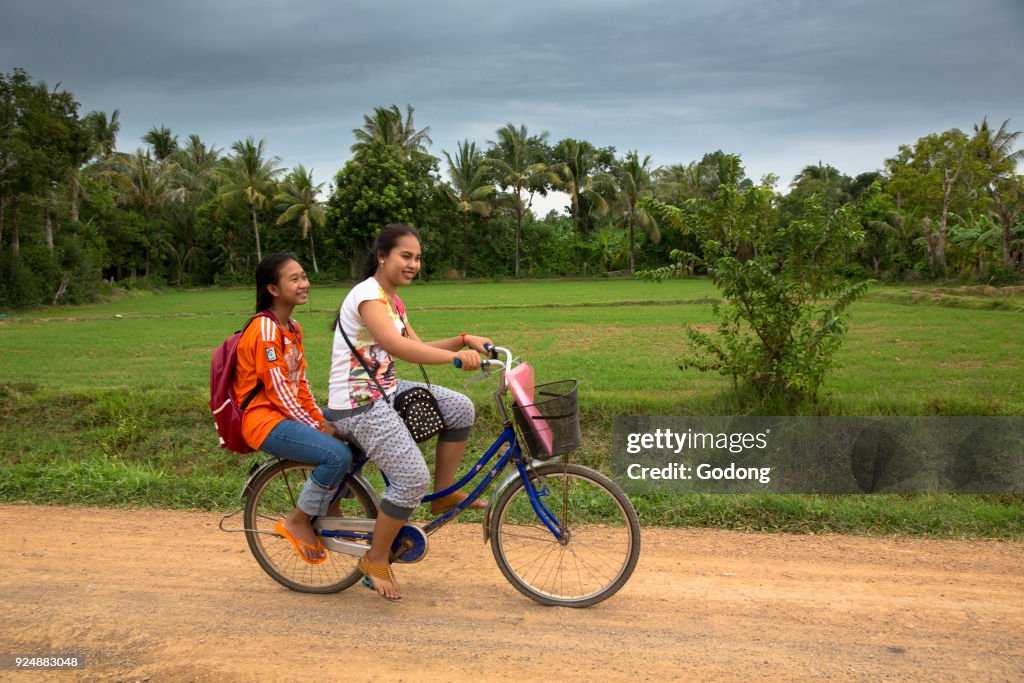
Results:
[516, 160]
[678, 183]
[163, 142]
[146, 184]
[578, 176]
[470, 189]
[249, 179]
[996, 152]
[634, 184]
[199, 165]
[387, 126]
[297, 200]
[104, 131]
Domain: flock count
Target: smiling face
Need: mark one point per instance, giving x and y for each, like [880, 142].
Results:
[399, 266]
[292, 287]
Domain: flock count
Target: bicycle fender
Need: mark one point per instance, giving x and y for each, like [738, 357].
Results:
[258, 468]
[505, 483]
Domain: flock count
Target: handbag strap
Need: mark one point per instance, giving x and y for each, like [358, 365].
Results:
[362, 362]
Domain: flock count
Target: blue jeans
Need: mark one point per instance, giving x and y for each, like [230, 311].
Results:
[291, 440]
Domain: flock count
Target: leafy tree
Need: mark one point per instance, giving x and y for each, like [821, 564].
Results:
[298, 201]
[373, 189]
[41, 140]
[882, 225]
[784, 320]
[928, 180]
[250, 179]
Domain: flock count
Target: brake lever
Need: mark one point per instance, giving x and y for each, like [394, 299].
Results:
[485, 372]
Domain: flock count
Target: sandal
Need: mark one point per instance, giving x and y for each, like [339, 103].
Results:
[446, 503]
[282, 530]
[377, 571]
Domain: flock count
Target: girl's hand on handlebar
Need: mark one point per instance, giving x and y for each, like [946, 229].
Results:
[478, 344]
[467, 360]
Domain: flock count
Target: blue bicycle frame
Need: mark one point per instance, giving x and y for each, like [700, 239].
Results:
[512, 453]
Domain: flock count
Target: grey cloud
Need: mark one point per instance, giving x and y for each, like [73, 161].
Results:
[771, 79]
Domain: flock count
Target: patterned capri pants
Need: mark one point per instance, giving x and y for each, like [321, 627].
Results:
[381, 433]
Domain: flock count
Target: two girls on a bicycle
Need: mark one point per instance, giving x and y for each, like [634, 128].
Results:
[284, 420]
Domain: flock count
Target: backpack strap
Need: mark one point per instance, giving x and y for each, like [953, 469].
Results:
[259, 382]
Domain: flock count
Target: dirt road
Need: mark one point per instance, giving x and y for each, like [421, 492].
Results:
[165, 596]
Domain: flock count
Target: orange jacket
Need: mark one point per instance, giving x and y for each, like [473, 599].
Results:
[273, 353]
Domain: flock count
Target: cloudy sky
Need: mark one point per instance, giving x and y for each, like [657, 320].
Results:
[784, 83]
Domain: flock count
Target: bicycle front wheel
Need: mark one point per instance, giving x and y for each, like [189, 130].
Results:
[272, 496]
[596, 549]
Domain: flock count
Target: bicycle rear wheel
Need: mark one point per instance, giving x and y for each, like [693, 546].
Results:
[600, 540]
[272, 496]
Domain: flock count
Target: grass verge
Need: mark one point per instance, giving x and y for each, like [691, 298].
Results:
[151, 446]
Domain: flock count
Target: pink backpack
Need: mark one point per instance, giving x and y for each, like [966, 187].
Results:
[227, 410]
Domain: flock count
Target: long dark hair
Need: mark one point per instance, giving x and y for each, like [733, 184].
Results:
[268, 272]
[386, 240]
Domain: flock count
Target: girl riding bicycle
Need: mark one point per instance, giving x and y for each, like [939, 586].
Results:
[373, 319]
[283, 419]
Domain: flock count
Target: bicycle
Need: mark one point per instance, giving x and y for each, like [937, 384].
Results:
[561, 533]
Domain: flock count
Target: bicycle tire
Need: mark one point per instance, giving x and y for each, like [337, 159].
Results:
[601, 547]
[272, 496]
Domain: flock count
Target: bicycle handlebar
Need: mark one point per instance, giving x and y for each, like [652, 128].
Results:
[492, 361]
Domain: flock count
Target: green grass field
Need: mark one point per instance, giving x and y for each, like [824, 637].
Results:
[106, 404]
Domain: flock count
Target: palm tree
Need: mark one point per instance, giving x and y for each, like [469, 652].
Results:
[516, 159]
[198, 166]
[470, 189]
[164, 144]
[578, 177]
[387, 126]
[250, 179]
[104, 131]
[297, 199]
[677, 183]
[634, 184]
[147, 185]
[997, 153]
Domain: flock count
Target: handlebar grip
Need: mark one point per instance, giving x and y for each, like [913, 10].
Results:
[490, 348]
[457, 363]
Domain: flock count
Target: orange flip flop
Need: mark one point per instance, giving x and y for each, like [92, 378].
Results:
[319, 548]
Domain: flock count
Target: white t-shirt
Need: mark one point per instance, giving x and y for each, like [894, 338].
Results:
[348, 384]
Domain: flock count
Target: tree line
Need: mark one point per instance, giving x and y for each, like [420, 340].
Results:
[78, 217]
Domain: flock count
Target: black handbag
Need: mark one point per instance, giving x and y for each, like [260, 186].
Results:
[417, 407]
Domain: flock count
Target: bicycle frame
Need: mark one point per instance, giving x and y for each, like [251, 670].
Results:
[512, 454]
